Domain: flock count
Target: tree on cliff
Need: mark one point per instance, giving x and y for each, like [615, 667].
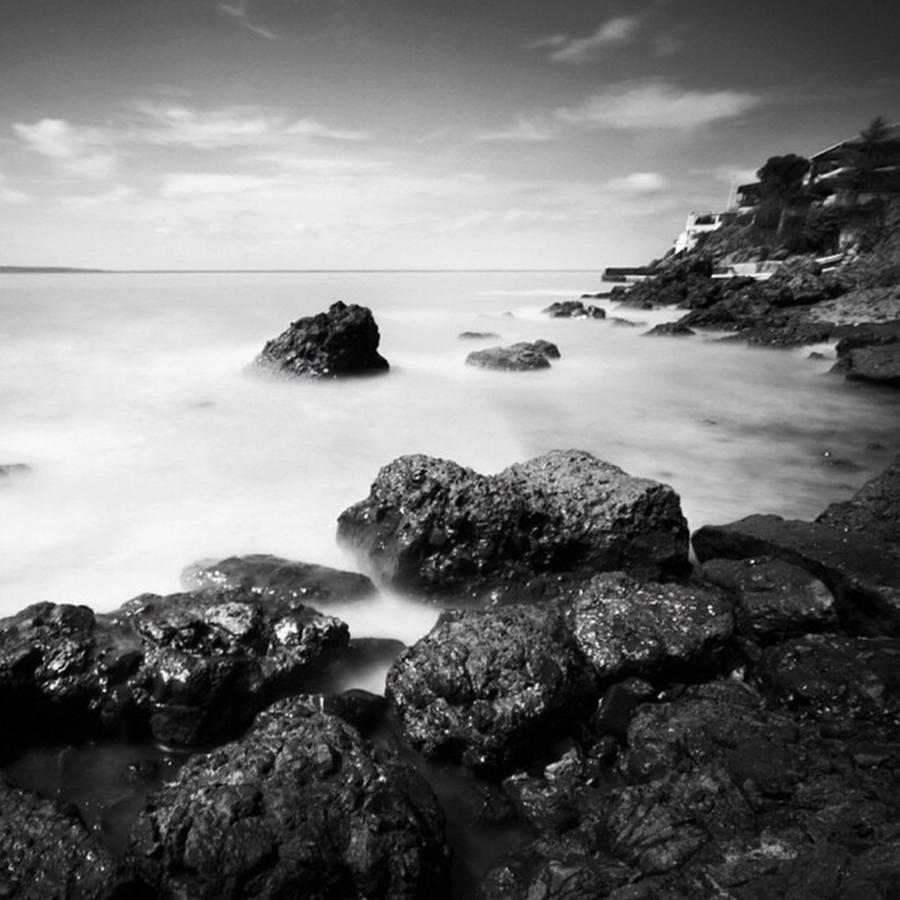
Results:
[781, 184]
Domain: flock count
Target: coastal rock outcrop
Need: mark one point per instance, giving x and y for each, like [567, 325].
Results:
[520, 357]
[574, 309]
[342, 341]
[487, 687]
[670, 329]
[876, 365]
[434, 528]
[276, 578]
[300, 807]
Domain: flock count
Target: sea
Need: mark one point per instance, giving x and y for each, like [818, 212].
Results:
[153, 443]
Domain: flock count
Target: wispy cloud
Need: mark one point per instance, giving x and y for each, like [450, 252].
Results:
[116, 195]
[524, 129]
[238, 12]
[639, 184]
[75, 150]
[580, 50]
[656, 105]
[211, 184]
[11, 195]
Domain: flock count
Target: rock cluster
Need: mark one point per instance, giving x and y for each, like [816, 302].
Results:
[342, 341]
[519, 357]
[574, 309]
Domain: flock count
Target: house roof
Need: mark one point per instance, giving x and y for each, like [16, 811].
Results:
[893, 134]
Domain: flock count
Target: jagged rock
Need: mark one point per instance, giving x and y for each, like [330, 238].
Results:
[300, 807]
[47, 853]
[487, 687]
[877, 365]
[574, 309]
[211, 661]
[774, 599]
[669, 329]
[519, 357]
[342, 341]
[874, 510]
[864, 575]
[278, 579]
[629, 628]
[673, 284]
[431, 527]
[799, 282]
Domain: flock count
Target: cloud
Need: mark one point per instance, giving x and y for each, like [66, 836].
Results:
[176, 185]
[74, 150]
[237, 12]
[314, 129]
[117, 194]
[639, 184]
[578, 51]
[656, 105]
[10, 195]
[525, 129]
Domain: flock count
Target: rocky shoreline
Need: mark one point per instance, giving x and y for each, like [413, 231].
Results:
[592, 716]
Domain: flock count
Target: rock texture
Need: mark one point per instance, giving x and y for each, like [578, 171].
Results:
[520, 357]
[670, 329]
[300, 807]
[486, 687]
[574, 309]
[275, 578]
[342, 341]
[434, 528]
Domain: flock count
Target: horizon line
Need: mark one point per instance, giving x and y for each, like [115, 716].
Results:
[68, 270]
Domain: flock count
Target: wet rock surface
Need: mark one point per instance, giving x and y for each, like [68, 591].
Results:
[437, 529]
[521, 357]
[670, 329]
[300, 807]
[877, 365]
[342, 341]
[574, 309]
[273, 577]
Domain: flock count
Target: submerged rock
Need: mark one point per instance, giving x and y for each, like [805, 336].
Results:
[434, 528]
[279, 579]
[864, 575]
[874, 510]
[670, 329]
[342, 341]
[478, 335]
[574, 309]
[488, 687]
[13, 470]
[519, 357]
[300, 807]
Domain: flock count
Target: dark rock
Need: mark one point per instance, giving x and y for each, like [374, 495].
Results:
[342, 341]
[868, 334]
[863, 575]
[775, 600]
[876, 365]
[431, 527]
[799, 282]
[46, 853]
[816, 355]
[674, 284]
[574, 309]
[275, 578]
[617, 705]
[13, 470]
[488, 687]
[629, 628]
[669, 329]
[211, 661]
[478, 334]
[300, 807]
[874, 510]
[628, 323]
[519, 357]
[361, 709]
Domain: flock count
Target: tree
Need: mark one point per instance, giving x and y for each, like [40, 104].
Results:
[781, 184]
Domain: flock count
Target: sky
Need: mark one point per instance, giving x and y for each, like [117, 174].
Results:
[346, 134]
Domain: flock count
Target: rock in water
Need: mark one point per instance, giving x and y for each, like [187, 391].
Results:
[432, 527]
[574, 309]
[301, 807]
[520, 357]
[343, 341]
[485, 687]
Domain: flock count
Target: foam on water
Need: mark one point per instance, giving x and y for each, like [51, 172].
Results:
[153, 447]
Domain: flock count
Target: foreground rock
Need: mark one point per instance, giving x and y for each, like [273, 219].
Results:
[342, 341]
[574, 309]
[434, 528]
[276, 578]
[876, 365]
[300, 807]
[488, 687]
[864, 575]
[520, 357]
[184, 670]
[873, 511]
[47, 853]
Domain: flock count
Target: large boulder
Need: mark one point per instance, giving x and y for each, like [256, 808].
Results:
[301, 807]
[489, 687]
[342, 341]
[276, 578]
[630, 628]
[432, 527]
[863, 574]
[47, 853]
[520, 357]
[874, 510]
[877, 365]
